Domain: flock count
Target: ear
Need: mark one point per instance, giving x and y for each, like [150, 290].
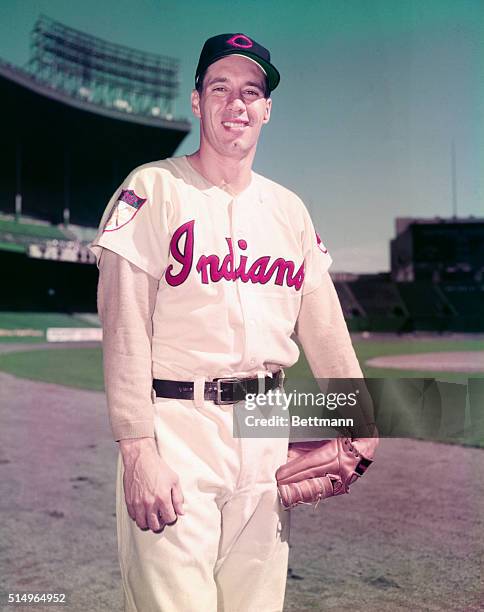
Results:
[267, 112]
[196, 103]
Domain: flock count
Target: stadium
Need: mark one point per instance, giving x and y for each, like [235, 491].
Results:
[85, 112]
[435, 283]
[81, 115]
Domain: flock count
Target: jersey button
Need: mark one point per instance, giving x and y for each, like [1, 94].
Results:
[252, 361]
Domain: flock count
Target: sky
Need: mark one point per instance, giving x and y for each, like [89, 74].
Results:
[372, 95]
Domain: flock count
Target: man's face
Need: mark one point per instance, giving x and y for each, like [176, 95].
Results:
[232, 108]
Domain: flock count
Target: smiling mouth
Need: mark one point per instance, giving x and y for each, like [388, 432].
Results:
[235, 125]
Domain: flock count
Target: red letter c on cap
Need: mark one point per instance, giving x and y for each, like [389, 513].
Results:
[241, 41]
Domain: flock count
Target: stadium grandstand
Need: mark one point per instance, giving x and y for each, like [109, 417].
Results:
[435, 284]
[81, 115]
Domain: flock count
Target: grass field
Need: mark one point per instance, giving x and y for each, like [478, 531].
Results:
[367, 349]
[82, 367]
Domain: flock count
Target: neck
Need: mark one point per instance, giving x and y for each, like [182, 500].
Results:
[231, 174]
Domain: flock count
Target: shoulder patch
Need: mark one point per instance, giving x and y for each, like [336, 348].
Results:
[124, 211]
[321, 246]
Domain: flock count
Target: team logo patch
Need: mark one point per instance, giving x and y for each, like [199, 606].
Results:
[125, 210]
[321, 246]
[241, 41]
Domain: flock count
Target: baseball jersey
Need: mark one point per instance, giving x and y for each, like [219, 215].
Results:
[231, 269]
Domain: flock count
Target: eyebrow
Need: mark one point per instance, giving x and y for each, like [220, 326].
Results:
[225, 80]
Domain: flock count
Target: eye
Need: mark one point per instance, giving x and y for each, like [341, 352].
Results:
[252, 92]
[219, 88]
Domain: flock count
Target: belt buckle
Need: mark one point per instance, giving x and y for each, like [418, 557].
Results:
[218, 400]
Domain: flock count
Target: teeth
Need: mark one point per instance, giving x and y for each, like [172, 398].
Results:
[233, 124]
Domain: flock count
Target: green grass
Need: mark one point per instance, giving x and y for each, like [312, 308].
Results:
[367, 349]
[80, 368]
[38, 321]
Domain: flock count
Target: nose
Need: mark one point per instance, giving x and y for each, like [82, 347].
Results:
[235, 103]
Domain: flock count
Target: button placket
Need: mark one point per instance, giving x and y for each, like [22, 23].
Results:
[235, 236]
[240, 233]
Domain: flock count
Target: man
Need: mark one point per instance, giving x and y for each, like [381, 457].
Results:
[206, 269]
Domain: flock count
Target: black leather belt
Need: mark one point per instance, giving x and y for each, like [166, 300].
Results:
[220, 390]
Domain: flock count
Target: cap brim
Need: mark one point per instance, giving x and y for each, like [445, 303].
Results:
[273, 76]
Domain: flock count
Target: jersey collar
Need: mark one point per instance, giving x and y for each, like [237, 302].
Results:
[253, 190]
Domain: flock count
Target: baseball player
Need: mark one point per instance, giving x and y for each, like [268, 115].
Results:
[206, 270]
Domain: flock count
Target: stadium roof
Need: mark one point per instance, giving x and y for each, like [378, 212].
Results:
[63, 152]
[109, 75]
[25, 79]
[403, 223]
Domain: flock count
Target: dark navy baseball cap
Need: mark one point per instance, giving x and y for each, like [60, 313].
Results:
[239, 44]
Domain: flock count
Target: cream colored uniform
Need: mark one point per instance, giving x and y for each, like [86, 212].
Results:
[231, 272]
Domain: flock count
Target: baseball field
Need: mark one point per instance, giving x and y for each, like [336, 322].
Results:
[80, 365]
[409, 537]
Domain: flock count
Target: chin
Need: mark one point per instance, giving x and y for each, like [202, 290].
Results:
[238, 150]
[229, 148]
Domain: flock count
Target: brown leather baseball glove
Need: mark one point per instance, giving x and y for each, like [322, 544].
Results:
[316, 470]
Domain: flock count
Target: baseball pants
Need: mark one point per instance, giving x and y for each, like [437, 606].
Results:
[229, 551]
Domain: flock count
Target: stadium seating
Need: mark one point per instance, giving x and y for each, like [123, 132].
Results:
[349, 305]
[379, 302]
[16, 235]
[428, 306]
[467, 300]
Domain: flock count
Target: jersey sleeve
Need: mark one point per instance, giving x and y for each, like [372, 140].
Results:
[134, 224]
[317, 260]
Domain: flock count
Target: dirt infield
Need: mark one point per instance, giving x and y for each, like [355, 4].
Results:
[454, 361]
[409, 537]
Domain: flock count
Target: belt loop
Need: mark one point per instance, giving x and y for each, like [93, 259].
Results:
[261, 382]
[199, 391]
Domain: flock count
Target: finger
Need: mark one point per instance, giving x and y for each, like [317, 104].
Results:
[177, 499]
[154, 522]
[167, 512]
[140, 515]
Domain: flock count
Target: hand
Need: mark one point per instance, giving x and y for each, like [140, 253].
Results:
[151, 488]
